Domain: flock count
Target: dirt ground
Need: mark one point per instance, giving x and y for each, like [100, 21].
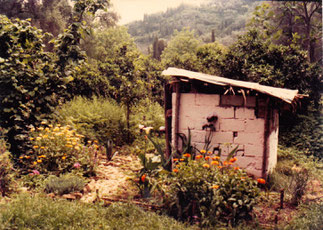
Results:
[113, 179]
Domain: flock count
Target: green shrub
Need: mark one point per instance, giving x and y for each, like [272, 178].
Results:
[149, 114]
[97, 119]
[209, 192]
[6, 169]
[58, 150]
[64, 184]
[309, 218]
[25, 212]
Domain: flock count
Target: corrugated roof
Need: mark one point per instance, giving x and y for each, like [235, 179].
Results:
[286, 95]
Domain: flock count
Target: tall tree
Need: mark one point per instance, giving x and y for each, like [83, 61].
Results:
[292, 22]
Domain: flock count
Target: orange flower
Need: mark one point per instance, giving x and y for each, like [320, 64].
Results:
[143, 177]
[181, 159]
[220, 167]
[215, 186]
[21, 157]
[209, 152]
[198, 157]
[236, 168]
[216, 158]
[187, 155]
[243, 178]
[225, 163]
[261, 181]
[175, 170]
[203, 151]
[175, 159]
[207, 157]
[234, 159]
[230, 163]
[214, 163]
[27, 157]
[206, 165]
[35, 147]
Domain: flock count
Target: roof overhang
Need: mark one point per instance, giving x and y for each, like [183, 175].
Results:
[286, 95]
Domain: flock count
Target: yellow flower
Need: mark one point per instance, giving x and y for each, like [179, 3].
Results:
[40, 128]
[39, 161]
[77, 148]
[216, 158]
[31, 138]
[42, 147]
[175, 159]
[69, 146]
[214, 163]
[64, 157]
[206, 165]
[21, 157]
[181, 159]
[56, 129]
[35, 162]
[203, 151]
[47, 129]
[35, 146]
[38, 138]
[45, 136]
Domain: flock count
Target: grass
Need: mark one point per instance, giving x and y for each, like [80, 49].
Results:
[39, 212]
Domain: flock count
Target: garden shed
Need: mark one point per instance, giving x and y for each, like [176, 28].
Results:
[236, 113]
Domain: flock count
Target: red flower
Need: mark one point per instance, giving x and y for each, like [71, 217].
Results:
[143, 178]
[261, 181]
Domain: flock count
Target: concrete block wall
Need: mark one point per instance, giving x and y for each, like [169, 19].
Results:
[237, 124]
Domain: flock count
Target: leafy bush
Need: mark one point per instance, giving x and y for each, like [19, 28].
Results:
[149, 114]
[211, 192]
[97, 119]
[6, 168]
[303, 131]
[64, 184]
[59, 150]
[25, 212]
[30, 82]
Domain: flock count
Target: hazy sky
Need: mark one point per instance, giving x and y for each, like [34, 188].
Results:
[131, 10]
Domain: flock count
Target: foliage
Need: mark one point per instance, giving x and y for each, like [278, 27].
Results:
[292, 173]
[102, 120]
[64, 184]
[6, 168]
[226, 18]
[148, 114]
[209, 191]
[58, 150]
[30, 83]
[305, 131]
[26, 212]
[181, 51]
[292, 22]
[310, 218]
[253, 58]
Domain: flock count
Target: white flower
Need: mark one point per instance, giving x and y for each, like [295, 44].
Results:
[141, 126]
[147, 129]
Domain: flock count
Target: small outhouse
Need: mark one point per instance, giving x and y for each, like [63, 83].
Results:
[238, 113]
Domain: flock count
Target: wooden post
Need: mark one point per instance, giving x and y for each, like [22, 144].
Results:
[168, 118]
[176, 113]
[266, 139]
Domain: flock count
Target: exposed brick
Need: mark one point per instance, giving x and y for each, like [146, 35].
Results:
[231, 100]
[207, 99]
[244, 113]
[255, 125]
[231, 125]
[249, 138]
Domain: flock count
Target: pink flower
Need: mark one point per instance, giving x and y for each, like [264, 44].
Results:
[77, 165]
[35, 172]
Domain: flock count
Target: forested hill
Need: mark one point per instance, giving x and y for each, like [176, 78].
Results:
[225, 17]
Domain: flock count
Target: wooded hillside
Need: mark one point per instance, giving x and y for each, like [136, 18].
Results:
[226, 18]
